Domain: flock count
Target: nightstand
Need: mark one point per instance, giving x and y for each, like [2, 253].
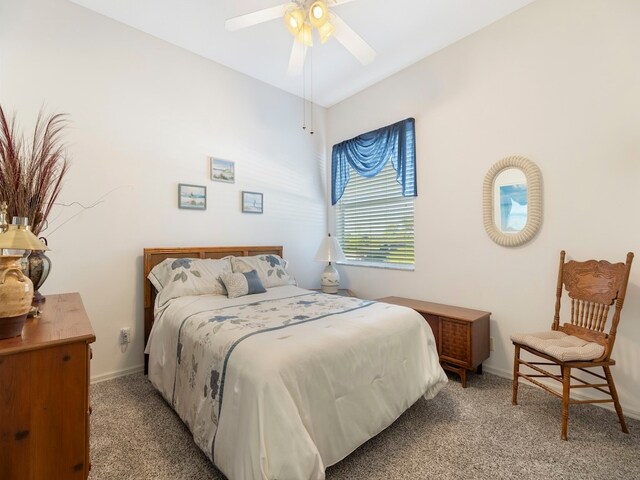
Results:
[343, 292]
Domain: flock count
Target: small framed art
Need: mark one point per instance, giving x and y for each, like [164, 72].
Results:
[223, 170]
[251, 202]
[193, 197]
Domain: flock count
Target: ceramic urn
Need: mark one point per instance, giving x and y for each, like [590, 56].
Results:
[16, 295]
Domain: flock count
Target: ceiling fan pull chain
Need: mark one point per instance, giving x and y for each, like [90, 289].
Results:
[311, 88]
[304, 95]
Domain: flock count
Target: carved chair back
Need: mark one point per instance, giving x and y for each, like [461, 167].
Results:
[593, 287]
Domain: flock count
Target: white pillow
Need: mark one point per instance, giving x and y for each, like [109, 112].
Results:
[178, 277]
[160, 273]
[270, 269]
[292, 279]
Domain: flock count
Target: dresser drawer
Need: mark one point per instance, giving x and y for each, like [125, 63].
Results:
[42, 417]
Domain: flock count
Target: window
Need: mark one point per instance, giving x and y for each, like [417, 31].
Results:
[374, 221]
[373, 185]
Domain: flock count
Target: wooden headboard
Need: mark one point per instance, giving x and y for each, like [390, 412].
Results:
[153, 256]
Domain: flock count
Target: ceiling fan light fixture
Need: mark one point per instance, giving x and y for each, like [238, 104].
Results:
[294, 19]
[318, 13]
[325, 31]
[305, 35]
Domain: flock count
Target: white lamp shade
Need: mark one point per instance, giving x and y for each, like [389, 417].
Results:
[295, 20]
[330, 250]
[325, 31]
[305, 35]
[318, 13]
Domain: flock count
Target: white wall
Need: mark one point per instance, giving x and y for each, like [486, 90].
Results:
[145, 117]
[556, 82]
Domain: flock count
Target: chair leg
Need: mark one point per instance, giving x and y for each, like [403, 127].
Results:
[516, 371]
[566, 392]
[616, 401]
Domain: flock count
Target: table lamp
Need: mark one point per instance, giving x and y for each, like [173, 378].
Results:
[16, 289]
[330, 251]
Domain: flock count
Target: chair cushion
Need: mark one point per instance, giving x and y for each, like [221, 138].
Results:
[559, 345]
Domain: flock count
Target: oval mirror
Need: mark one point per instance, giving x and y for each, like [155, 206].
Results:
[512, 201]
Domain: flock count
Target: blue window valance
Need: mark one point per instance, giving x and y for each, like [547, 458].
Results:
[368, 153]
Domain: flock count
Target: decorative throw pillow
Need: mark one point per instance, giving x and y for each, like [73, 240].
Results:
[179, 277]
[239, 284]
[270, 269]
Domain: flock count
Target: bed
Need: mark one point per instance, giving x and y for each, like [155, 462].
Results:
[282, 384]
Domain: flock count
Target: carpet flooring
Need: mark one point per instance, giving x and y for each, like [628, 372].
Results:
[472, 433]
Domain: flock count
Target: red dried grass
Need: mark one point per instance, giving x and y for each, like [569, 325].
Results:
[31, 173]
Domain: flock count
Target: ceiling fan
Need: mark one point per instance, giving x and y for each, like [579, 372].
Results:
[301, 18]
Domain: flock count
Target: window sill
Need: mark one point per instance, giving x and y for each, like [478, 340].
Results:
[383, 266]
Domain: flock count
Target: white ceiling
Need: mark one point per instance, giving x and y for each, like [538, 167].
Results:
[401, 31]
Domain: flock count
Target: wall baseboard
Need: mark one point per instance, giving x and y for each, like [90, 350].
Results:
[580, 396]
[117, 373]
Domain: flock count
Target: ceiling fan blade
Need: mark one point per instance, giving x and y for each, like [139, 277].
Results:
[340, 2]
[352, 41]
[254, 18]
[296, 60]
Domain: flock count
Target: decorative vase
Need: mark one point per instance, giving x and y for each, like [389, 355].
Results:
[16, 295]
[39, 269]
[330, 279]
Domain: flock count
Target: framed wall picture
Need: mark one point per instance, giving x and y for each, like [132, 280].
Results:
[251, 202]
[223, 170]
[193, 197]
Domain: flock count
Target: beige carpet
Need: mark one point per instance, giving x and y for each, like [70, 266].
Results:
[472, 433]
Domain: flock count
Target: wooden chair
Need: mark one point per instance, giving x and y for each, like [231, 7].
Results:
[592, 286]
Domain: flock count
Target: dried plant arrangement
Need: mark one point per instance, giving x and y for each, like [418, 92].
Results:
[31, 171]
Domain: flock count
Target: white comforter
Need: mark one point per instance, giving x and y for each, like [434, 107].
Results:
[282, 384]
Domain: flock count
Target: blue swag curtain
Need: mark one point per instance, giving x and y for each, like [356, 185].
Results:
[368, 153]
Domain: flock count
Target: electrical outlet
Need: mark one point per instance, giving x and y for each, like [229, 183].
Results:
[491, 344]
[125, 336]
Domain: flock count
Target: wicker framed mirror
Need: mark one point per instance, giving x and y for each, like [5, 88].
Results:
[512, 201]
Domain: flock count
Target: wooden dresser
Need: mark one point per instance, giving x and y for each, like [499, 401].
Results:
[44, 394]
[462, 334]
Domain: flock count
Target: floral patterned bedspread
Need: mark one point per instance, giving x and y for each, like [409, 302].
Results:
[204, 343]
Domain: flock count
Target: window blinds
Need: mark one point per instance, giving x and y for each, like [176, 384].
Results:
[374, 221]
